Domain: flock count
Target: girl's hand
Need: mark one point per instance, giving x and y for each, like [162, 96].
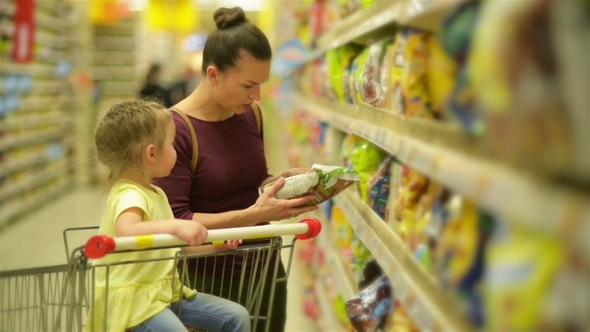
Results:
[228, 245]
[191, 231]
[269, 208]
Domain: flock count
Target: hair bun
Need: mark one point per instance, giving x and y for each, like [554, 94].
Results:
[229, 17]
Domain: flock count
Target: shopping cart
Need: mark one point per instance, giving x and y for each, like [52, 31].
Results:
[58, 298]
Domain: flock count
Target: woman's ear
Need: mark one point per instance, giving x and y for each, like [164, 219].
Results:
[212, 74]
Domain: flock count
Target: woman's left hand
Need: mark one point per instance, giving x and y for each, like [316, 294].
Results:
[228, 245]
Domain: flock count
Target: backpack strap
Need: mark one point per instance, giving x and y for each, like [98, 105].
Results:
[195, 156]
[258, 116]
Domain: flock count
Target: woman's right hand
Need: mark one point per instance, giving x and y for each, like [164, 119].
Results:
[191, 231]
[269, 208]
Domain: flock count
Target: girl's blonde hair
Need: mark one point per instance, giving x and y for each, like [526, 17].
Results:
[124, 130]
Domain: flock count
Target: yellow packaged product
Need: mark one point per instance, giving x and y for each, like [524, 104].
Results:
[521, 268]
[413, 186]
[441, 74]
[409, 87]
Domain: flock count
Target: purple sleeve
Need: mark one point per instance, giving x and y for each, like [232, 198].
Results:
[177, 185]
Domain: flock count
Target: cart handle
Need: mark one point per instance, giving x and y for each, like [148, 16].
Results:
[99, 246]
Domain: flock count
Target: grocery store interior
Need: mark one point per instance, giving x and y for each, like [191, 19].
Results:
[466, 121]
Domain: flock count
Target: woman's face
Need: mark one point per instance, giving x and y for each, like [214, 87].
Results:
[240, 86]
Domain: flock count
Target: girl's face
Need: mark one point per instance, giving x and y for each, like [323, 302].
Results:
[240, 86]
[166, 155]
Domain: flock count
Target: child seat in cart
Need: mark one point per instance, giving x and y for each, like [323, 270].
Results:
[59, 298]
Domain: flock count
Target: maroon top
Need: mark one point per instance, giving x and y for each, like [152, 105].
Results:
[230, 168]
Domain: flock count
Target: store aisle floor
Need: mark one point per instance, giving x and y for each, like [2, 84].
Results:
[37, 240]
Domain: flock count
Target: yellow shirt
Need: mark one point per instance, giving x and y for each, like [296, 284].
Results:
[136, 291]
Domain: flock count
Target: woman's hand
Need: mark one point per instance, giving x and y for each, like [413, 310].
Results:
[269, 208]
[228, 245]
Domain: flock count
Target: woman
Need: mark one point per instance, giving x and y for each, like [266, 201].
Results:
[223, 190]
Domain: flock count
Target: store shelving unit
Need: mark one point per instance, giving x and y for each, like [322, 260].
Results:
[115, 58]
[414, 287]
[36, 122]
[445, 154]
[378, 20]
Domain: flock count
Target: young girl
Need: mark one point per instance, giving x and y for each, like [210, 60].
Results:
[135, 141]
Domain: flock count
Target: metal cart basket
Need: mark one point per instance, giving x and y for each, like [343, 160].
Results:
[59, 298]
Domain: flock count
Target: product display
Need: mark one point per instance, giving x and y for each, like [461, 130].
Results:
[467, 152]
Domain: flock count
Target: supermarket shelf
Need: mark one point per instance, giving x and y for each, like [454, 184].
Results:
[16, 209]
[32, 181]
[378, 20]
[32, 159]
[418, 291]
[49, 119]
[45, 136]
[328, 320]
[346, 284]
[31, 69]
[514, 196]
[9, 168]
[38, 102]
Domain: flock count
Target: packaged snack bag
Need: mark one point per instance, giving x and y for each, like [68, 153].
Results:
[323, 181]
[348, 69]
[441, 74]
[419, 242]
[339, 62]
[413, 186]
[459, 242]
[341, 228]
[378, 186]
[456, 39]
[369, 81]
[368, 309]
[461, 254]
[409, 86]
[356, 78]
[349, 143]
[514, 73]
[365, 158]
[521, 267]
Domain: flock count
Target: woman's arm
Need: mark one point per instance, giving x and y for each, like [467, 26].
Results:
[267, 208]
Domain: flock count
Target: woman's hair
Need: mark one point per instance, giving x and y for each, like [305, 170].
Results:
[234, 34]
[124, 130]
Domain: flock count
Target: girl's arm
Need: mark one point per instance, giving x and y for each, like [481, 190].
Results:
[130, 223]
